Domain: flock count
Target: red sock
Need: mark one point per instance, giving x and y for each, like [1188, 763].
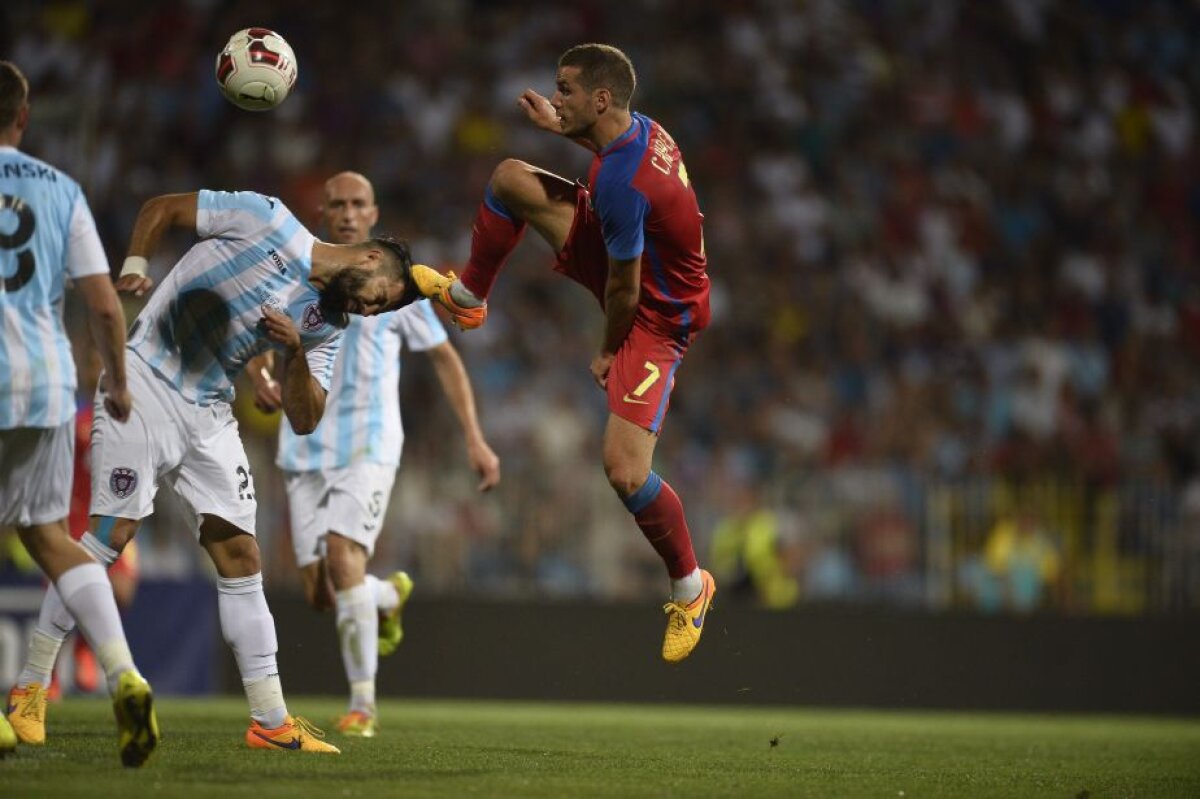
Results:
[493, 238]
[657, 510]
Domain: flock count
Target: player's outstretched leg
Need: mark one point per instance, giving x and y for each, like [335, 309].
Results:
[133, 706]
[444, 289]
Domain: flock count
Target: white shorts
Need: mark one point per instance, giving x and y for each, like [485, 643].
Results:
[195, 451]
[350, 502]
[36, 468]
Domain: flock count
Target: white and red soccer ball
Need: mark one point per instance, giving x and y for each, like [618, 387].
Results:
[257, 69]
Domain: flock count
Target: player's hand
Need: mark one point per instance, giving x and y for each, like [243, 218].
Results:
[281, 329]
[539, 110]
[268, 396]
[485, 463]
[600, 366]
[118, 402]
[134, 284]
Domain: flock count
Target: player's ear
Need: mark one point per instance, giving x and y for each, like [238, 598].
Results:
[602, 98]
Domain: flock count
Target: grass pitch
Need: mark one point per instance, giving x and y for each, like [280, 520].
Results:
[450, 749]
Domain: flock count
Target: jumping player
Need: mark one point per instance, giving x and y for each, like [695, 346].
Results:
[632, 236]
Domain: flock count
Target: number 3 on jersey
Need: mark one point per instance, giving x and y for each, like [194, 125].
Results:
[26, 222]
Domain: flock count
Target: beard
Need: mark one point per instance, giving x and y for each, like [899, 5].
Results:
[335, 297]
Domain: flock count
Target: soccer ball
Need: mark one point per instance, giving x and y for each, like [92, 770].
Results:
[256, 70]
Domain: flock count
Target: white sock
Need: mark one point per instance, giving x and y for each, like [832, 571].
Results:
[88, 596]
[464, 296]
[39, 662]
[55, 622]
[386, 595]
[358, 634]
[686, 589]
[249, 629]
[266, 701]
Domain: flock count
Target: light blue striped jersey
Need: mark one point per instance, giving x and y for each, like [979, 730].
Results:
[203, 323]
[362, 411]
[46, 234]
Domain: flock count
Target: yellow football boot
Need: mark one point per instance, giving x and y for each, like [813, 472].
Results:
[8, 738]
[133, 706]
[26, 712]
[685, 623]
[357, 724]
[390, 631]
[296, 734]
[436, 286]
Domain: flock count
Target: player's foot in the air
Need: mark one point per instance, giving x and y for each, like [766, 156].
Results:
[296, 734]
[436, 286]
[133, 706]
[26, 712]
[390, 631]
[357, 724]
[685, 623]
[8, 738]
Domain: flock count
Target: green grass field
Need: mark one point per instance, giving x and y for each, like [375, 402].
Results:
[492, 749]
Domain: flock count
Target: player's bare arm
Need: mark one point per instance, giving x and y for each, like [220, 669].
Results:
[303, 397]
[457, 386]
[107, 322]
[268, 395]
[621, 295]
[157, 215]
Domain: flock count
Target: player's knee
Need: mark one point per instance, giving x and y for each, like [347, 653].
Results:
[510, 179]
[624, 478]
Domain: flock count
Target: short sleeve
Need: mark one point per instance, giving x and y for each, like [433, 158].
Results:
[85, 253]
[233, 214]
[322, 357]
[622, 210]
[420, 326]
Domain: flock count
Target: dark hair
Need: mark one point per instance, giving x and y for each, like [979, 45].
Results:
[602, 66]
[398, 261]
[14, 91]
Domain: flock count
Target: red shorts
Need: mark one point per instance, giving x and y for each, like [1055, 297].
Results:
[642, 376]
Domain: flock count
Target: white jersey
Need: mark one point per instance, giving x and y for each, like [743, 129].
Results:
[204, 322]
[46, 234]
[362, 411]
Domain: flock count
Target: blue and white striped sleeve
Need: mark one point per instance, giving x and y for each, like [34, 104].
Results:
[233, 214]
[322, 357]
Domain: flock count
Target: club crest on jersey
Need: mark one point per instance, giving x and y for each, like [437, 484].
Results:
[313, 318]
[122, 481]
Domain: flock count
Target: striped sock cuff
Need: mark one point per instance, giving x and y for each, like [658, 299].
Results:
[240, 585]
[495, 206]
[638, 500]
[100, 552]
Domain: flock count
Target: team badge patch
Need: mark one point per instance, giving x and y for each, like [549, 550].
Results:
[313, 318]
[122, 481]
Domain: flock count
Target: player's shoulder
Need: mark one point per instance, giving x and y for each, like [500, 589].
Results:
[18, 165]
[261, 205]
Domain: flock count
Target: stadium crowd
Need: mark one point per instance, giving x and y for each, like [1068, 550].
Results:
[954, 260]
